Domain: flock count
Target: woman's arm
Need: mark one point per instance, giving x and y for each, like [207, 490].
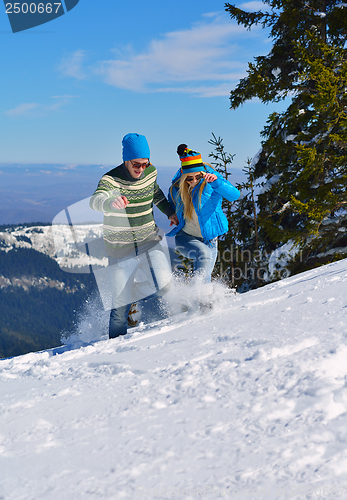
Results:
[225, 189]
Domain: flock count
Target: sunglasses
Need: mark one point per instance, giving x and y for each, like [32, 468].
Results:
[197, 178]
[140, 165]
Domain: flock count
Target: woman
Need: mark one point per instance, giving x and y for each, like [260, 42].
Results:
[196, 194]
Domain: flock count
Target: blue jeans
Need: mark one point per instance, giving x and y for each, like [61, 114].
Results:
[154, 310]
[142, 279]
[202, 254]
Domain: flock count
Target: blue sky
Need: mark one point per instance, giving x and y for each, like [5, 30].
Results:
[72, 88]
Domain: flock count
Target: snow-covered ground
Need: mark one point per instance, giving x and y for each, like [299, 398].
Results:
[246, 402]
[63, 242]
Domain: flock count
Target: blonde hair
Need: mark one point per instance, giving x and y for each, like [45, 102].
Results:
[184, 195]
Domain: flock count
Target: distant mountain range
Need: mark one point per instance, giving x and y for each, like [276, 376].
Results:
[31, 193]
[38, 300]
[46, 276]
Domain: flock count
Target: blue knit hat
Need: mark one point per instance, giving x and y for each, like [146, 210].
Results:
[135, 146]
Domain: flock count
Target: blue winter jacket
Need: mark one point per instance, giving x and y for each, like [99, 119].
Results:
[212, 219]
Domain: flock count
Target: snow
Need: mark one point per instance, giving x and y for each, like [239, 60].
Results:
[255, 158]
[280, 259]
[248, 401]
[65, 243]
[36, 237]
[269, 183]
[276, 72]
[79, 246]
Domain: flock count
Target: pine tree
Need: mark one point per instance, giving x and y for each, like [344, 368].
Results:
[250, 253]
[240, 257]
[221, 161]
[272, 77]
[304, 149]
[246, 221]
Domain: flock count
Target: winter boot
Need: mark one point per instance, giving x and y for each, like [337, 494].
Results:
[133, 316]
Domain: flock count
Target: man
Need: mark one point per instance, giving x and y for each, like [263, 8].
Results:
[126, 195]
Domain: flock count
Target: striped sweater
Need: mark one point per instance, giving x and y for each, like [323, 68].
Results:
[130, 230]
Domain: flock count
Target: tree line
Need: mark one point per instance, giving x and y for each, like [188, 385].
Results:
[294, 197]
[33, 319]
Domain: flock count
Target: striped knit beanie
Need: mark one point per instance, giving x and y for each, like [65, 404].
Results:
[135, 146]
[190, 160]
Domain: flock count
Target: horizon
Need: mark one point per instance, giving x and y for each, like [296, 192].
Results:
[43, 190]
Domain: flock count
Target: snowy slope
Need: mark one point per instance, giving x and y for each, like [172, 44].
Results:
[247, 402]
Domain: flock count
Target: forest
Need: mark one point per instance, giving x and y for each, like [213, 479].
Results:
[294, 198]
[33, 319]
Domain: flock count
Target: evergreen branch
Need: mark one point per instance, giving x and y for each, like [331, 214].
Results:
[248, 19]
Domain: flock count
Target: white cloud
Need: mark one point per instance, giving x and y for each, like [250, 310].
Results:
[35, 202]
[62, 100]
[205, 61]
[22, 109]
[213, 14]
[71, 65]
[34, 108]
[200, 91]
[253, 6]
[68, 167]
